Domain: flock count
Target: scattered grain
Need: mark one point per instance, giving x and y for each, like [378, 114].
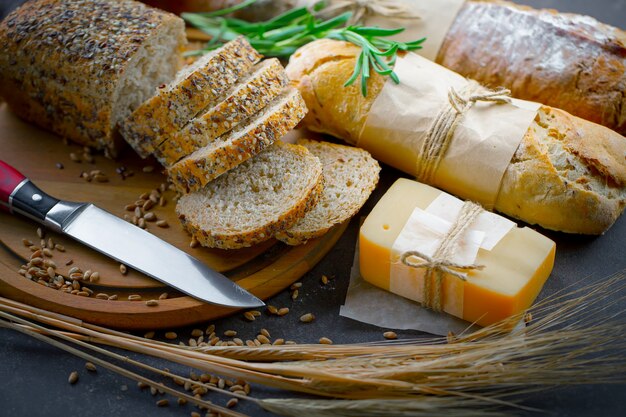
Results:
[94, 277]
[74, 157]
[307, 318]
[325, 341]
[113, 297]
[102, 296]
[249, 316]
[230, 333]
[232, 402]
[181, 401]
[162, 223]
[141, 223]
[324, 280]
[197, 332]
[163, 403]
[90, 367]
[171, 335]
[390, 335]
[295, 286]
[149, 335]
[73, 378]
[193, 243]
[294, 294]
[264, 340]
[272, 309]
[47, 252]
[152, 303]
[123, 269]
[59, 247]
[134, 297]
[148, 168]
[210, 329]
[150, 217]
[283, 311]
[27, 243]
[163, 296]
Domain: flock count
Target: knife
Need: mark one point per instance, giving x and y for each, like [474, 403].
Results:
[120, 240]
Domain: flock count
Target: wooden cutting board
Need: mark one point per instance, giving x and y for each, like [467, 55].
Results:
[264, 270]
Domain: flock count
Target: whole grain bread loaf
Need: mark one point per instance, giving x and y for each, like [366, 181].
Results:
[567, 61]
[195, 87]
[251, 203]
[240, 144]
[567, 174]
[79, 67]
[248, 96]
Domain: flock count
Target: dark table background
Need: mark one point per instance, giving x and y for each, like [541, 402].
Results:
[33, 375]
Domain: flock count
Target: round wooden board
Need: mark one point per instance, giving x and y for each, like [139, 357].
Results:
[264, 270]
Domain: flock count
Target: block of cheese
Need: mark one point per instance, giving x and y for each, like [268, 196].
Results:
[515, 269]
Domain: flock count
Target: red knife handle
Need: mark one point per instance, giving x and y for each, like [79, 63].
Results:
[18, 194]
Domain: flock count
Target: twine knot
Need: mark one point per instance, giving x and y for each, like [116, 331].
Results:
[439, 263]
[440, 133]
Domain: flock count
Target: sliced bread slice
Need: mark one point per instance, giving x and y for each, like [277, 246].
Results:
[246, 97]
[195, 87]
[350, 176]
[251, 203]
[246, 140]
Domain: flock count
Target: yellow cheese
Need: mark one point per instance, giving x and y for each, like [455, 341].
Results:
[515, 269]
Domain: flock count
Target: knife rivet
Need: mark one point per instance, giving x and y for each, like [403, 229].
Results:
[37, 197]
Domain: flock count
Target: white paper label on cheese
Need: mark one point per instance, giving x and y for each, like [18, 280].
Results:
[435, 19]
[493, 226]
[424, 232]
[483, 144]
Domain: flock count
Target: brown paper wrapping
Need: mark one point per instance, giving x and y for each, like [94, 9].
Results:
[481, 148]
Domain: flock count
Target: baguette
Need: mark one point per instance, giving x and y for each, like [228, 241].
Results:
[563, 60]
[248, 139]
[250, 95]
[251, 203]
[351, 174]
[195, 87]
[80, 67]
[567, 174]
[566, 61]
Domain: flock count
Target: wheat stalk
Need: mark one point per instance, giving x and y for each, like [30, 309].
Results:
[575, 338]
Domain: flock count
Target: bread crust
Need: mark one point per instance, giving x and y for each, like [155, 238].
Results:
[169, 110]
[567, 61]
[286, 219]
[62, 61]
[198, 169]
[539, 187]
[240, 104]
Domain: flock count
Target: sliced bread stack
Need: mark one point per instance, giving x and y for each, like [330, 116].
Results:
[216, 128]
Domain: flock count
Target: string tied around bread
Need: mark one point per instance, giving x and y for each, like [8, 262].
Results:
[440, 133]
[440, 262]
[361, 9]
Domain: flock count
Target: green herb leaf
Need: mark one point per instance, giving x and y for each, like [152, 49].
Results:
[282, 35]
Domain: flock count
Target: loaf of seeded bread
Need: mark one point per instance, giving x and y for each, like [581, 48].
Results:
[350, 176]
[242, 143]
[195, 87]
[79, 67]
[251, 203]
[567, 174]
[248, 96]
[566, 61]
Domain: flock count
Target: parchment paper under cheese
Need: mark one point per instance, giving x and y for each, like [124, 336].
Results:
[482, 146]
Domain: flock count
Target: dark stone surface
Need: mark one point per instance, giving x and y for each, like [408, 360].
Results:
[33, 375]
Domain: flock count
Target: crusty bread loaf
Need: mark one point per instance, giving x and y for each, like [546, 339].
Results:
[195, 87]
[246, 140]
[251, 203]
[350, 176]
[568, 174]
[248, 96]
[567, 61]
[79, 67]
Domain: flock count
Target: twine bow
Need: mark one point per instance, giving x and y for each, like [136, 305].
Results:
[362, 9]
[440, 133]
[439, 263]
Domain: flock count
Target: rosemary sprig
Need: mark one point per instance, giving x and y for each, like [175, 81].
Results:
[282, 35]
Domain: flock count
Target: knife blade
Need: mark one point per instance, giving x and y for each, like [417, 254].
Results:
[121, 241]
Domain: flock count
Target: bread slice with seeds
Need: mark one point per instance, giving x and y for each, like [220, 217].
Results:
[195, 87]
[251, 203]
[246, 140]
[265, 82]
[351, 174]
